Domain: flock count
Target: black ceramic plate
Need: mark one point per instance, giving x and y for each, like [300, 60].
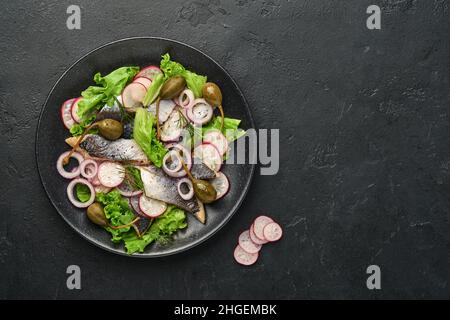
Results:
[137, 51]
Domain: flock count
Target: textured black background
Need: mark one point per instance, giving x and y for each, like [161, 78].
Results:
[365, 164]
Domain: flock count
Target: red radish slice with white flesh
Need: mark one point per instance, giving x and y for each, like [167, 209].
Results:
[149, 72]
[165, 109]
[75, 172]
[258, 226]
[150, 207]
[209, 155]
[216, 138]
[246, 243]
[254, 238]
[200, 112]
[101, 189]
[127, 191]
[243, 257]
[74, 110]
[146, 82]
[273, 232]
[111, 174]
[66, 113]
[134, 202]
[133, 95]
[221, 184]
[171, 129]
[71, 196]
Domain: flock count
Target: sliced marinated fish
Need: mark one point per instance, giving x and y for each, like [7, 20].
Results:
[159, 186]
[201, 171]
[110, 112]
[117, 150]
[165, 109]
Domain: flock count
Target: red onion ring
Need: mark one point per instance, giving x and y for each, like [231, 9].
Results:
[187, 158]
[75, 202]
[190, 194]
[127, 191]
[170, 155]
[89, 169]
[200, 112]
[75, 172]
[186, 103]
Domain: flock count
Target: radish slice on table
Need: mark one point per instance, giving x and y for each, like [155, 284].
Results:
[171, 163]
[243, 257]
[133, 95]
[185, 189]
[186, 99]
[246, 243]
[150, 207]
[200, 112]
[134, 202]
[258, 226]
[89, 168]
[149, 72]
[66, 113]
[165, 109]
[209, 155]
[171, 129]
[146, 82]
[70, 190]
[254, 238]
[63, 172]
[216, 138]
[221, 184]
[272, 232]
[74, 110]
[127, 191]
[111, 174]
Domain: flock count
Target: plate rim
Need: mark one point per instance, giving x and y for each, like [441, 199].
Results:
[197, 241]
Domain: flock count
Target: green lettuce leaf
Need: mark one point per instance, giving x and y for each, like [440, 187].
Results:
[145, 136]
[194, 81]
[230, 129]
[82, 191]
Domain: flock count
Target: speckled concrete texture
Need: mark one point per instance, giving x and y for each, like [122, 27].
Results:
[365, 155]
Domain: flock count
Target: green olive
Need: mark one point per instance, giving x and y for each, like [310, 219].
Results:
[212, 94]
[172, 88]
[96, 214]
[204, 191]
[110, 129]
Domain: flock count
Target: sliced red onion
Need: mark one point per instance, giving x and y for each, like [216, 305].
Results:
[190, 193]
[75, 202]
[186, 99]
[186, 155]
[75, 172]
[171, 163]
[89, 168]
[200, 112]
[127, 191]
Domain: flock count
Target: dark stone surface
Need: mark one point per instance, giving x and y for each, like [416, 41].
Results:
[365, 156]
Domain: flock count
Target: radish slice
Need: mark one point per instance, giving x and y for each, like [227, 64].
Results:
[171, 163]
[246, 243]
[74, 110]
[133, 95]
[190, 189]
[216, 138]
[209, 155]
[200, 112]
[150, 207]
[149, 72]
[134, 202]
[272, 232]
[146, 82]
[221, 184]
[127, 191]
[165, 109]
[75, 202]
[89, 168]
[66, 114]
[186, 99]
[258, 226]
[75, 172]
[111, 174]
[243, 257]
[254, 238]
[171, 130]
[101, 189]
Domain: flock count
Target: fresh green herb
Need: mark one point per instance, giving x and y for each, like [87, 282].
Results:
[145, 136]
[133, 178]
[82, 191]
[154, 89]
[95, 97]
[194, 81]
